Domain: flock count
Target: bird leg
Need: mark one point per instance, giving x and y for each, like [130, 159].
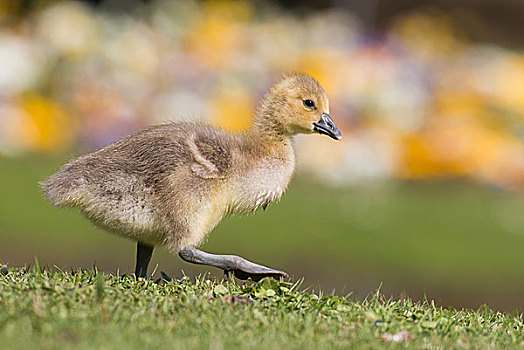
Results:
[143, 257]
[240, 267]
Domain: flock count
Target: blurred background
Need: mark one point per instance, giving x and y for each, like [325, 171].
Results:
[423, 194]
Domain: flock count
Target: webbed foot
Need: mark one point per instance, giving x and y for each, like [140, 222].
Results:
[239, 267]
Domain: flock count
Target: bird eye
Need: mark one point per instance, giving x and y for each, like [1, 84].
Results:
[309, 104]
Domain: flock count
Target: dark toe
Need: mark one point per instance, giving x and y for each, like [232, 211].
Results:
[243, 275]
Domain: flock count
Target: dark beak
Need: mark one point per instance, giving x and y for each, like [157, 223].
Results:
[327, 127]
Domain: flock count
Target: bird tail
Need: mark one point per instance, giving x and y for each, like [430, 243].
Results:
[63, 188]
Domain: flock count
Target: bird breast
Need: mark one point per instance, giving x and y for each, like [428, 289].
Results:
[260, 186]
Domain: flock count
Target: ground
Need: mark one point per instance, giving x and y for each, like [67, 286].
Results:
[89, 309]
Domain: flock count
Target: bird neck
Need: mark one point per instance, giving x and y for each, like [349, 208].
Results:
[269, 130]
[267, 123]
[270, 134]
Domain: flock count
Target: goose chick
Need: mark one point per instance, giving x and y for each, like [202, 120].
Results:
[171, 184]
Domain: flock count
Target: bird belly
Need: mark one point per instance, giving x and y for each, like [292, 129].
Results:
[126, 214]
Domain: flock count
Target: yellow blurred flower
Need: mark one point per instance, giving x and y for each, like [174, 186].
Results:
[464, 144]
[233, 109]
[46, 125]
[510, 78]
[214, 36]
[423, 156]
[325, 66]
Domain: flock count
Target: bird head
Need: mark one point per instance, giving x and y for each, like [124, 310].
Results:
[297, 104]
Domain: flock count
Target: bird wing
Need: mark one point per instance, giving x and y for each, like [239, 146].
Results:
[211, 160]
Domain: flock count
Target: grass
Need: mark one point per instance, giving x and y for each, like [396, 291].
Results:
[87, 310]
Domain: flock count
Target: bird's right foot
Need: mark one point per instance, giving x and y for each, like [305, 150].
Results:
[239, 267]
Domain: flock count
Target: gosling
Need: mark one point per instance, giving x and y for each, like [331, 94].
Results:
[171, 184]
